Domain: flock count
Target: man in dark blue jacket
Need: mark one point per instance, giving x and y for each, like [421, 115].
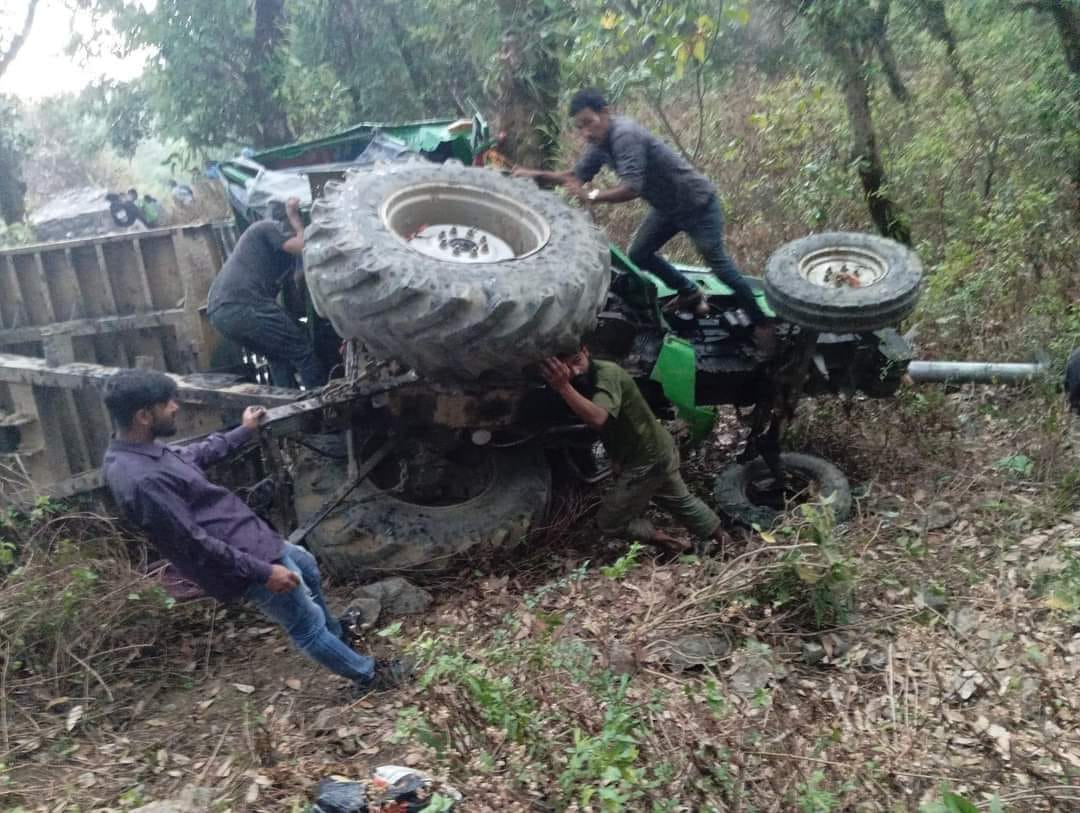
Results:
[209, 534]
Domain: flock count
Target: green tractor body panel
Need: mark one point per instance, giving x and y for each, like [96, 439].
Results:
[676, 367]
[701, 276]
[676, 372]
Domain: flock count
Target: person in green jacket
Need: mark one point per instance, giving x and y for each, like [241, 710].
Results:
[643, 453]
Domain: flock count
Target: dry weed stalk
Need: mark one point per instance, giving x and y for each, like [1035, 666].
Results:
[702, 607]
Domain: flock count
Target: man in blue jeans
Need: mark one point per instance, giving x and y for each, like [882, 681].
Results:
[682, 200]
[242, 303]
[210, 535]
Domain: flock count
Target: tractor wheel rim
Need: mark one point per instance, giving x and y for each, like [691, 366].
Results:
[843, 268]
[464, 224]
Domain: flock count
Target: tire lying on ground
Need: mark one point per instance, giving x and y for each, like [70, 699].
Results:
[377, 530]
[841, 282]
[746, 491]
[456, 271]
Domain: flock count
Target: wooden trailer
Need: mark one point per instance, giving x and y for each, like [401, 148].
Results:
[73, 312]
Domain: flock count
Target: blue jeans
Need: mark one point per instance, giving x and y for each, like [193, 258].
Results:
[265, 327]
[302, 613]
[706, 232]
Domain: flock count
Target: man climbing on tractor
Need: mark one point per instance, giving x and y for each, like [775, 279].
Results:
[682, 200]
[642, 452]
[243, 306]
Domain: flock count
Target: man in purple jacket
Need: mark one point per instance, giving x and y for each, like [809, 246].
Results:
[210, 535]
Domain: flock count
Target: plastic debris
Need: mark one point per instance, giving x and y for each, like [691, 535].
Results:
[391, 789]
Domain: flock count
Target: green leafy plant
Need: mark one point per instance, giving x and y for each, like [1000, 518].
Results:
[604, 768]
[1017, 464]
[618, 569]
[812, 797]
[818, 577]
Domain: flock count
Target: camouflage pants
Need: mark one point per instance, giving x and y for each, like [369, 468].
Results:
[633, 490]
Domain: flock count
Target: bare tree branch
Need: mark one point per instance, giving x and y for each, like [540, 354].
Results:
[656, 103]
[879, 23]
[17, 42]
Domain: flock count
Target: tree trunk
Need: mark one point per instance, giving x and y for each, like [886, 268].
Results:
[1067, 19]
[884, 212]
[879, 23]
[12, 188]
[17, 41]
[527, 84]
[937, 24]
[273, 124]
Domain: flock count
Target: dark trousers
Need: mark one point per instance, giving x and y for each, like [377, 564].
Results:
[265, 327]
[706, 232]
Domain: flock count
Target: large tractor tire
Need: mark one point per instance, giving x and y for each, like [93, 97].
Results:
[840, 282]
[420, 510]
[749, 494]
[458, 272]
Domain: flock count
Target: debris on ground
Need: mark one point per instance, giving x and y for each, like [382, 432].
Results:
[391, 789]
[397, 596]
[542, 682]
[191, 800]
[691, 651]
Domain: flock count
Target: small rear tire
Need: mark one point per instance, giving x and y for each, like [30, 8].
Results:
[749, 494]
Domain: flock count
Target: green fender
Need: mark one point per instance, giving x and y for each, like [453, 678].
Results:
[676, 372]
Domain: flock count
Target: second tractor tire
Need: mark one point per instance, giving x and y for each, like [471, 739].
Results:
[734, 487]
[843, 282]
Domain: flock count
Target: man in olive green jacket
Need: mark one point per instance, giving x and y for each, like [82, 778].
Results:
[642, 451]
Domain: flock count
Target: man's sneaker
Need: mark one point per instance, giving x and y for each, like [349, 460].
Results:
[692, 301]
[389, 674]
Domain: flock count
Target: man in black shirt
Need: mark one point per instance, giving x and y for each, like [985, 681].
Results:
[682, 199]
[243, 300]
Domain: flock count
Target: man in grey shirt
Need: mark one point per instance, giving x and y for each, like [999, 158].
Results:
[682, 200]
[243, 306]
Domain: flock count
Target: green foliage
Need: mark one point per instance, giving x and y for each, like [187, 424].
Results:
[495, 696]
[1061, 589]
[811, 177]
[819, 578]
[123, 110]
[503, 688]
[951, 802]
[605, 767]
[813, 798]
[13, 146]
[537, 596]
[318, 101]
[1017, 464]
[646, 44]
[618, 569]
[212, 79]
[391, 631]
[387, 60]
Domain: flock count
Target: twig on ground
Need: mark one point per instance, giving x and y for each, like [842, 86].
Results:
[206, 768]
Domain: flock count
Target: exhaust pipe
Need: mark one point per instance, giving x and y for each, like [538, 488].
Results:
[964, 372]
